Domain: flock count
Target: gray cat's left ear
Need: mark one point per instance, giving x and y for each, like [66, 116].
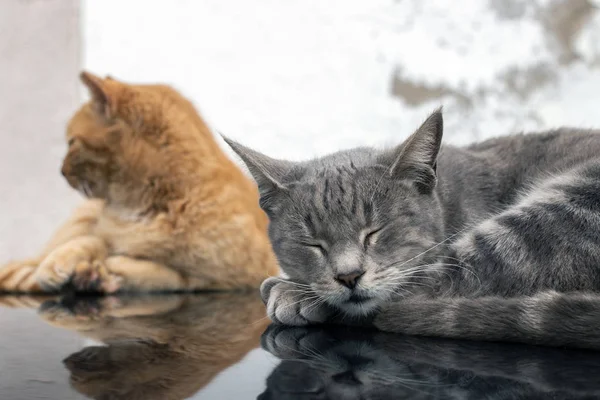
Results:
[266, 171]
[416, 158]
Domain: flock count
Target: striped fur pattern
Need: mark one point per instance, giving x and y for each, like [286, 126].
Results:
[499, 240]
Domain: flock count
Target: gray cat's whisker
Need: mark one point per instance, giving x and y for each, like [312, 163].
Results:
[410, 271]
[300, 290]
[315, 304]
[415, 269]
[259, 320]
[285, 306]
[308, 360]
[392, 290]
[302, 293]
[289, 282]
[401, 275]
[314, 354]
[311, 355]
[428, 250]
[416, 282]
[469, 271]
[393, 377]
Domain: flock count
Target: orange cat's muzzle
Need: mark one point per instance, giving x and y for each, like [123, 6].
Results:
[72, 180]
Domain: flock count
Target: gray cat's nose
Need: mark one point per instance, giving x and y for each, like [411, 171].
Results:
[349, 280]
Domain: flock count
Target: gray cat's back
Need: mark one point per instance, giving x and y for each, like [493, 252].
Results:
[532, 207]
[484, 178]
[530, 154]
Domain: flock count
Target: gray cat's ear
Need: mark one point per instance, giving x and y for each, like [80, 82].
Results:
[267, 172]
[416, 158]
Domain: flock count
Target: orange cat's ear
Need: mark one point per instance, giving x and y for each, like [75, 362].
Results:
[103, 94]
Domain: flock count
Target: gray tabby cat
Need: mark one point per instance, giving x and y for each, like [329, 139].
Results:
[496, 241]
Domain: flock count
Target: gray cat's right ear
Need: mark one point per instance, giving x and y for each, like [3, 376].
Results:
[266, 171]
[416, 158]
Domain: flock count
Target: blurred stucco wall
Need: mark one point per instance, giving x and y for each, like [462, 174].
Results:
[302, 78]
[39, 62]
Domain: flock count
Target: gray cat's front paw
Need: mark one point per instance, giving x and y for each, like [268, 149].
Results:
[290, 303]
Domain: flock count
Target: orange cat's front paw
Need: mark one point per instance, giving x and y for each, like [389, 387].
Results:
[82, 256]
[95, 277]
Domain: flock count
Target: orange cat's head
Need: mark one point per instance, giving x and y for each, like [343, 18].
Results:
[131, 144]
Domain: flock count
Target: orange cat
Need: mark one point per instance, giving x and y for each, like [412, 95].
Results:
[166, 208]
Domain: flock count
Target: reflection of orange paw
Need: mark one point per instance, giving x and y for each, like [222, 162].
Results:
[23, 301]
[81, 313]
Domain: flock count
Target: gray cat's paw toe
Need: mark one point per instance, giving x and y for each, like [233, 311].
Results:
[289, 305]
[284, 307]
[266, 286]
[314, 311]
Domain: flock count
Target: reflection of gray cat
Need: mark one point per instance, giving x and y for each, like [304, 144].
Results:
[496, 241]
[341, 364]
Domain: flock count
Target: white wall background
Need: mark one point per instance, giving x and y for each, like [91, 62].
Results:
[302, 78]
[296, 79]
[39, 63]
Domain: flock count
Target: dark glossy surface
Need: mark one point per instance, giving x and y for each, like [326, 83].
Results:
[209, 347]
[152, 347]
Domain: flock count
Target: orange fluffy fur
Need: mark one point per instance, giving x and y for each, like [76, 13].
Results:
[166, 208]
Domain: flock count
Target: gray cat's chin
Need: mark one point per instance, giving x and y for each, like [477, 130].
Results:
[359, 308]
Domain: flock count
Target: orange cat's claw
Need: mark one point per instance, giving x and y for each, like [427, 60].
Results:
[81, 313]
[113, 284]
[95, 278]
[87, 278]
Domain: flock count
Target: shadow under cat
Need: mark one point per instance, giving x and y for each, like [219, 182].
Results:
[165, 347]
[342, 363]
